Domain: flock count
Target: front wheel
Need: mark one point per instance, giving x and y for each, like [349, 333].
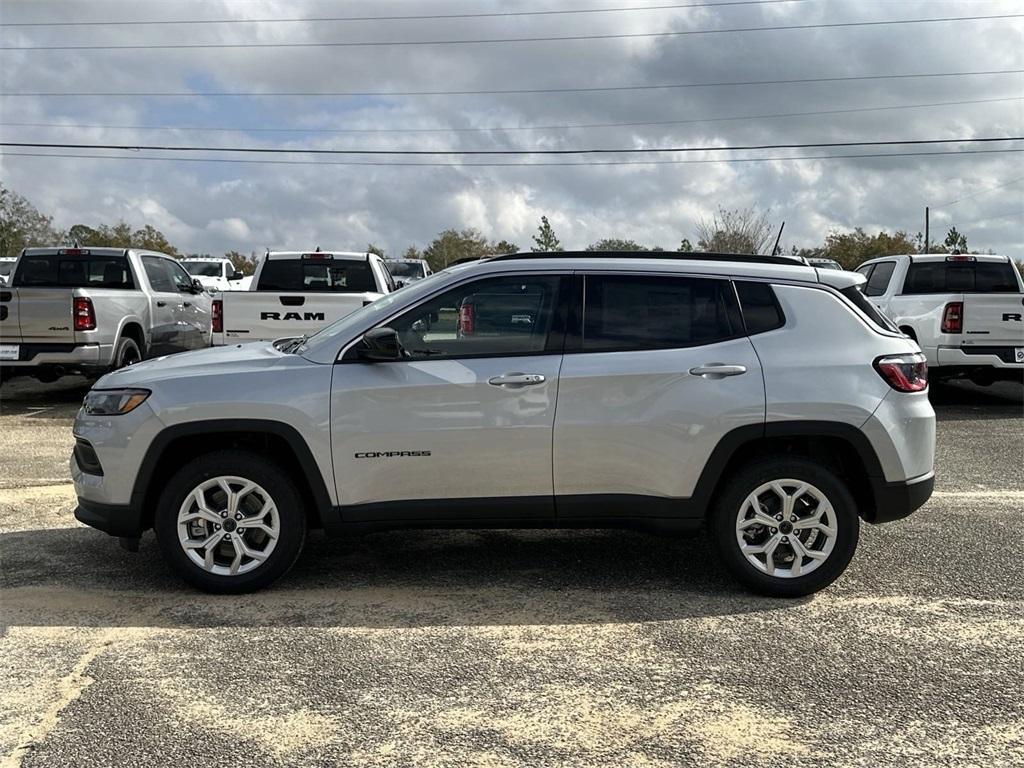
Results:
[230, 522]
[785, 527]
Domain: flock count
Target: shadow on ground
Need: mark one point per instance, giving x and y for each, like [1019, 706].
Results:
[79, 577]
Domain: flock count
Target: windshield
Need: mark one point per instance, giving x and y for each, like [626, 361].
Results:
[369, 314]
[202, 268]
[405, 268]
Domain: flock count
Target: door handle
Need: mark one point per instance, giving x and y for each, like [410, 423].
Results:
[161, 303]
[718, 370]
[187, 304]
[517, 380]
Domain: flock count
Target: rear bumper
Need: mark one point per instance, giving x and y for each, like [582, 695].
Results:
[996, 356]
[894, 501]
[115, 519]
[71, 356]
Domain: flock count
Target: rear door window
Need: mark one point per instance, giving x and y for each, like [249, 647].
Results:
[156, 271]
[878, 281]
[56, 271]
[961, 277]
[317, 275]
[631, 312]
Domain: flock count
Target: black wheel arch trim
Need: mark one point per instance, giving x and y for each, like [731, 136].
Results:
[324, 511]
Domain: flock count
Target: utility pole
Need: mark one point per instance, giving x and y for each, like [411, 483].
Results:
[926, 222]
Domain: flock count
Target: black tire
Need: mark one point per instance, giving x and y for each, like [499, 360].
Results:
[723, 526]
[250, 466]
[126, 353]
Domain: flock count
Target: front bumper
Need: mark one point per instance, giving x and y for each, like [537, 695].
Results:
[115, 519]
[894, 501]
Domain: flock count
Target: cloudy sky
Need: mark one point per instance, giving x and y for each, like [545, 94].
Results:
[304, 200]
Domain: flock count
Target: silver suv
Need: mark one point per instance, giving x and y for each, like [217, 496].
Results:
[755, 396]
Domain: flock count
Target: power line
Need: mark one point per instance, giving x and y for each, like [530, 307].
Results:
[505, 129]
[519, 152]
[400, 163]
[511, 91]
[501, 40]
[984, 191]
[417, 17]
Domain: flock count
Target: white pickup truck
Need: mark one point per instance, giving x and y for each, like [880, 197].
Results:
[216, 275]
[294, 293]
[965, 311]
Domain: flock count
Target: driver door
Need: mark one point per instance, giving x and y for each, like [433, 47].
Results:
[461, 426]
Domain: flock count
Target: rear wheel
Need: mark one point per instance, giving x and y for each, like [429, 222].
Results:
[230, 522]
[785, 527]
[127, 353]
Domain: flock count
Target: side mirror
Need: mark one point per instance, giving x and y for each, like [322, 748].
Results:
[236, 275]
[197, 286]
[380, 345]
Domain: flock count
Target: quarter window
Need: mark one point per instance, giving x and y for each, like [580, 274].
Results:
[495, 317]
[761, 310]
[657, 312]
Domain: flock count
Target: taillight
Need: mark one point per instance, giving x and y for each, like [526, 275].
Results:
[84, 314]
[904, 373]
[467, 320]
[217, 315]
[953, 317]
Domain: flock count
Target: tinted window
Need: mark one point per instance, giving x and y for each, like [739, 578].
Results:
[632, 312]
[855, 296]
[406, 268]
[159, 279]
[879, 279]
[761, 310]
[203, 268]
[306, 275]
[74, 272]
[486, 318]
[961, 277]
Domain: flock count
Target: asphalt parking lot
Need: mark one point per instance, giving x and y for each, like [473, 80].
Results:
[517, 648]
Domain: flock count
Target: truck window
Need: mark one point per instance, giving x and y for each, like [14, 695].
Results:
[156, 271]
[56, 271]
[204, 268]
[961, 277]
[878, 282]
[327, 275]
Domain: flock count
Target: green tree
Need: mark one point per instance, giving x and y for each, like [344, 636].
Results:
[152, 239]
[851, 249]
[545, 240]
[371, 248]
[955, 241]
[685, 246]
[616, 244]
[22, 225]
[744, 230]
[452, 245]
[412, 252]
[504, 247]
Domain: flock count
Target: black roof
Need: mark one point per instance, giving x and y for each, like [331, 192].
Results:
[673, 255]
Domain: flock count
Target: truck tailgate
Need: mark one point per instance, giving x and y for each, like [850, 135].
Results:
[994, 319]
[40, 316]
[267, 315]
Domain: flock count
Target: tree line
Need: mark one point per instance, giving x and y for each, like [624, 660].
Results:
[746, 230]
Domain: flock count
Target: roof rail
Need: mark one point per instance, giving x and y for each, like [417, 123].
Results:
[672, 255]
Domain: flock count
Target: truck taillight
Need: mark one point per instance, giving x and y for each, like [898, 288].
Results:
[84, 314]
[217, 315]
[904, 373]
[467, 320]
[953, 317]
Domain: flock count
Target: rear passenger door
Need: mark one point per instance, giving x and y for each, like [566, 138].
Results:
[660, 372]
[165, 333]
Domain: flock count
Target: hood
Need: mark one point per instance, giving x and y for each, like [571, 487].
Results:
[212, 361]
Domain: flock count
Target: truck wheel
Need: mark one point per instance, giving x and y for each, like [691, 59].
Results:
[127, 353]
[230, 522]
[785, 527]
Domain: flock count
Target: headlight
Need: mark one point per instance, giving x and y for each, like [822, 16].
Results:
[112, 402]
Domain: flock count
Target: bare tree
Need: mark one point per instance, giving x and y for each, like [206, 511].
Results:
[744, 230]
